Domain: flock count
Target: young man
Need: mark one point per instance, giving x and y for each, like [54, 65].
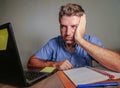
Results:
[74, 48]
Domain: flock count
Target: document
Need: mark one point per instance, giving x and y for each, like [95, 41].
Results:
[85, 75]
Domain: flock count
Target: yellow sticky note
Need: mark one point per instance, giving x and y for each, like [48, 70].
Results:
[48, 69]
[3, 39]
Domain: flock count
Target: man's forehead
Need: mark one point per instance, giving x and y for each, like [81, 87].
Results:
[71, 20]
[70, 17]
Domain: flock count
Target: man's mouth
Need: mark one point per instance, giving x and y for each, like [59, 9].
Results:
[69, 38]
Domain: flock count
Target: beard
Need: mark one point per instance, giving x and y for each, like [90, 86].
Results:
[70, 42]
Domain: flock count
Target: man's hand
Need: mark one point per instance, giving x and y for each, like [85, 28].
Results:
[79, 34]
[63, 65]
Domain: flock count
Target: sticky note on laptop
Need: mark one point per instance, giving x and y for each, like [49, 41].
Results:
[3, 39]
[48, 69]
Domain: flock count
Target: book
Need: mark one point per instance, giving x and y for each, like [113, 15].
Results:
[85, 75]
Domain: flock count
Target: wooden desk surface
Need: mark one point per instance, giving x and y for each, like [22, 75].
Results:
[57, 80]
[52, 81]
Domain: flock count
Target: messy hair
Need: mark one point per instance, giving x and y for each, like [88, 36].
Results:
[71, 10]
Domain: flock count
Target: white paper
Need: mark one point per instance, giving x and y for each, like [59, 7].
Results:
[84, 75]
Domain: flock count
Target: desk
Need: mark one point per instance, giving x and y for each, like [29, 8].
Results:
[53, 81]
[57, 80]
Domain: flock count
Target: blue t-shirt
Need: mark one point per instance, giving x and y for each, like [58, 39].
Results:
[55, 50]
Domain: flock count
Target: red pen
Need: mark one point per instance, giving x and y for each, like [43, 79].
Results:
[102, 72]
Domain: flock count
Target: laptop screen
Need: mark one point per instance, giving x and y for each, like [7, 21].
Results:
[8, 50]
[10, 64]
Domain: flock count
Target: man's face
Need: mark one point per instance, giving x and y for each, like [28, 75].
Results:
[68, 26]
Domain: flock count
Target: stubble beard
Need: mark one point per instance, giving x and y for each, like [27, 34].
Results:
[70, 42]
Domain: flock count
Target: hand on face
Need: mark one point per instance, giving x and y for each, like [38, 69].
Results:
[79, 33]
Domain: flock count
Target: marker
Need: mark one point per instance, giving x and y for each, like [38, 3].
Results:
[103, 84]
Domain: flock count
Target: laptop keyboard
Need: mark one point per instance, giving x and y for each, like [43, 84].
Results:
[32, 75]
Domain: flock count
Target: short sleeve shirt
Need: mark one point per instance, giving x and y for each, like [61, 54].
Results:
[55, 50]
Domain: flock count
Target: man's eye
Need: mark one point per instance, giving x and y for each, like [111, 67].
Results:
[74, 26]
[62, 27]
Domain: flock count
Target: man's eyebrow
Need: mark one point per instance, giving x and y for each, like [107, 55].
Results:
[75, 25]
[70, 25]
[62, 25]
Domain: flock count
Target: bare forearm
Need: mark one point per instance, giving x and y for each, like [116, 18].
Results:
[37, 63]
[34, 62]
[106, 57]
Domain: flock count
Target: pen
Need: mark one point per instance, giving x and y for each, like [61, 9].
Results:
[103, 84]
[102, 72]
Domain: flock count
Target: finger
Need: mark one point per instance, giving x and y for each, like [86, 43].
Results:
[64, 66]
[82, 22]
[79, 33]
[68, 64]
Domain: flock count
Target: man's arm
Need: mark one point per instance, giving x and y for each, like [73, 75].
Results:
[106, 57]
[34, 62]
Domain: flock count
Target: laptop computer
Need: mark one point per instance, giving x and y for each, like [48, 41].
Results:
[11, 70]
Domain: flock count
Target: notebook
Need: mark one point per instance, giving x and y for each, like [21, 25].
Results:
[11, 70]
[86, 75]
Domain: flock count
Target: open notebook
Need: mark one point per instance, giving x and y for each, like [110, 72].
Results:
[86, 75]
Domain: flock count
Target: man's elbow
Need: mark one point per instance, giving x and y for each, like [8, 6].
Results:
[118, 69]
[30, 63]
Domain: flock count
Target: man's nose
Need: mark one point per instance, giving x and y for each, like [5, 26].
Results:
[69, 31]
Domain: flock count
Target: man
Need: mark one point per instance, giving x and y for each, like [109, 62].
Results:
[74, 48]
